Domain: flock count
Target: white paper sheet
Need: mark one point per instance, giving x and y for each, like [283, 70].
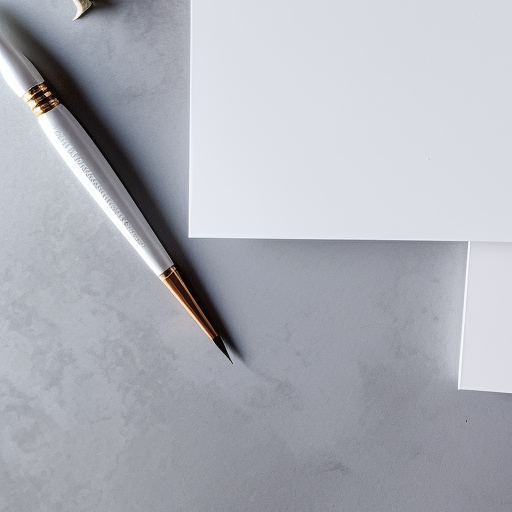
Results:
[351, 120]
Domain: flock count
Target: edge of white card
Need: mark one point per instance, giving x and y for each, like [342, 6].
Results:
[459, 382]
[486, 344]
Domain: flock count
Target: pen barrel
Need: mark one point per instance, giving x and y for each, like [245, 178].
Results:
[97, 176]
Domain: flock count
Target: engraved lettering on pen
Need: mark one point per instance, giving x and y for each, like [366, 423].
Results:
[90, 176]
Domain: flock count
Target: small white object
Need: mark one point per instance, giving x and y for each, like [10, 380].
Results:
[81, 7]
[486, 348]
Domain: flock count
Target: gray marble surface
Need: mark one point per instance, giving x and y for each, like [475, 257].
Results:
[343, 393]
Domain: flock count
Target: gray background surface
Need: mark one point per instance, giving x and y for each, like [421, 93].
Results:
[343, 395]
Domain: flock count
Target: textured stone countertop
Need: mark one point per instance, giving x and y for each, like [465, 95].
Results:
[343, 392]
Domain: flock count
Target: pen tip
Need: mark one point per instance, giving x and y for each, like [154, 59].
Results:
[220, 344]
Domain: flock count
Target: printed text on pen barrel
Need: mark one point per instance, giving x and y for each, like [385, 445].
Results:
[90, 176]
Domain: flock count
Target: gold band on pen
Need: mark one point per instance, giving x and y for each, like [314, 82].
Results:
[40, 99]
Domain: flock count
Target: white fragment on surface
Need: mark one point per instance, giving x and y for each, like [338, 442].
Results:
[81, 7]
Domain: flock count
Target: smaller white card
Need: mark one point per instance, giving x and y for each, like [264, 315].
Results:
[486, 350]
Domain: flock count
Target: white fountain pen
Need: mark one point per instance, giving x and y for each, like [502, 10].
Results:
[95, 174]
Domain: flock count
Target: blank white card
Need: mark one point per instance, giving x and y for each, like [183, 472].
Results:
[351, 120]
[486, 350]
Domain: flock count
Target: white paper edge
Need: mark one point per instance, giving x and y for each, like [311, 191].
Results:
[464, 317]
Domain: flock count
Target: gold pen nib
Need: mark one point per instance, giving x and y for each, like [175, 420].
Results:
[179, 289]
